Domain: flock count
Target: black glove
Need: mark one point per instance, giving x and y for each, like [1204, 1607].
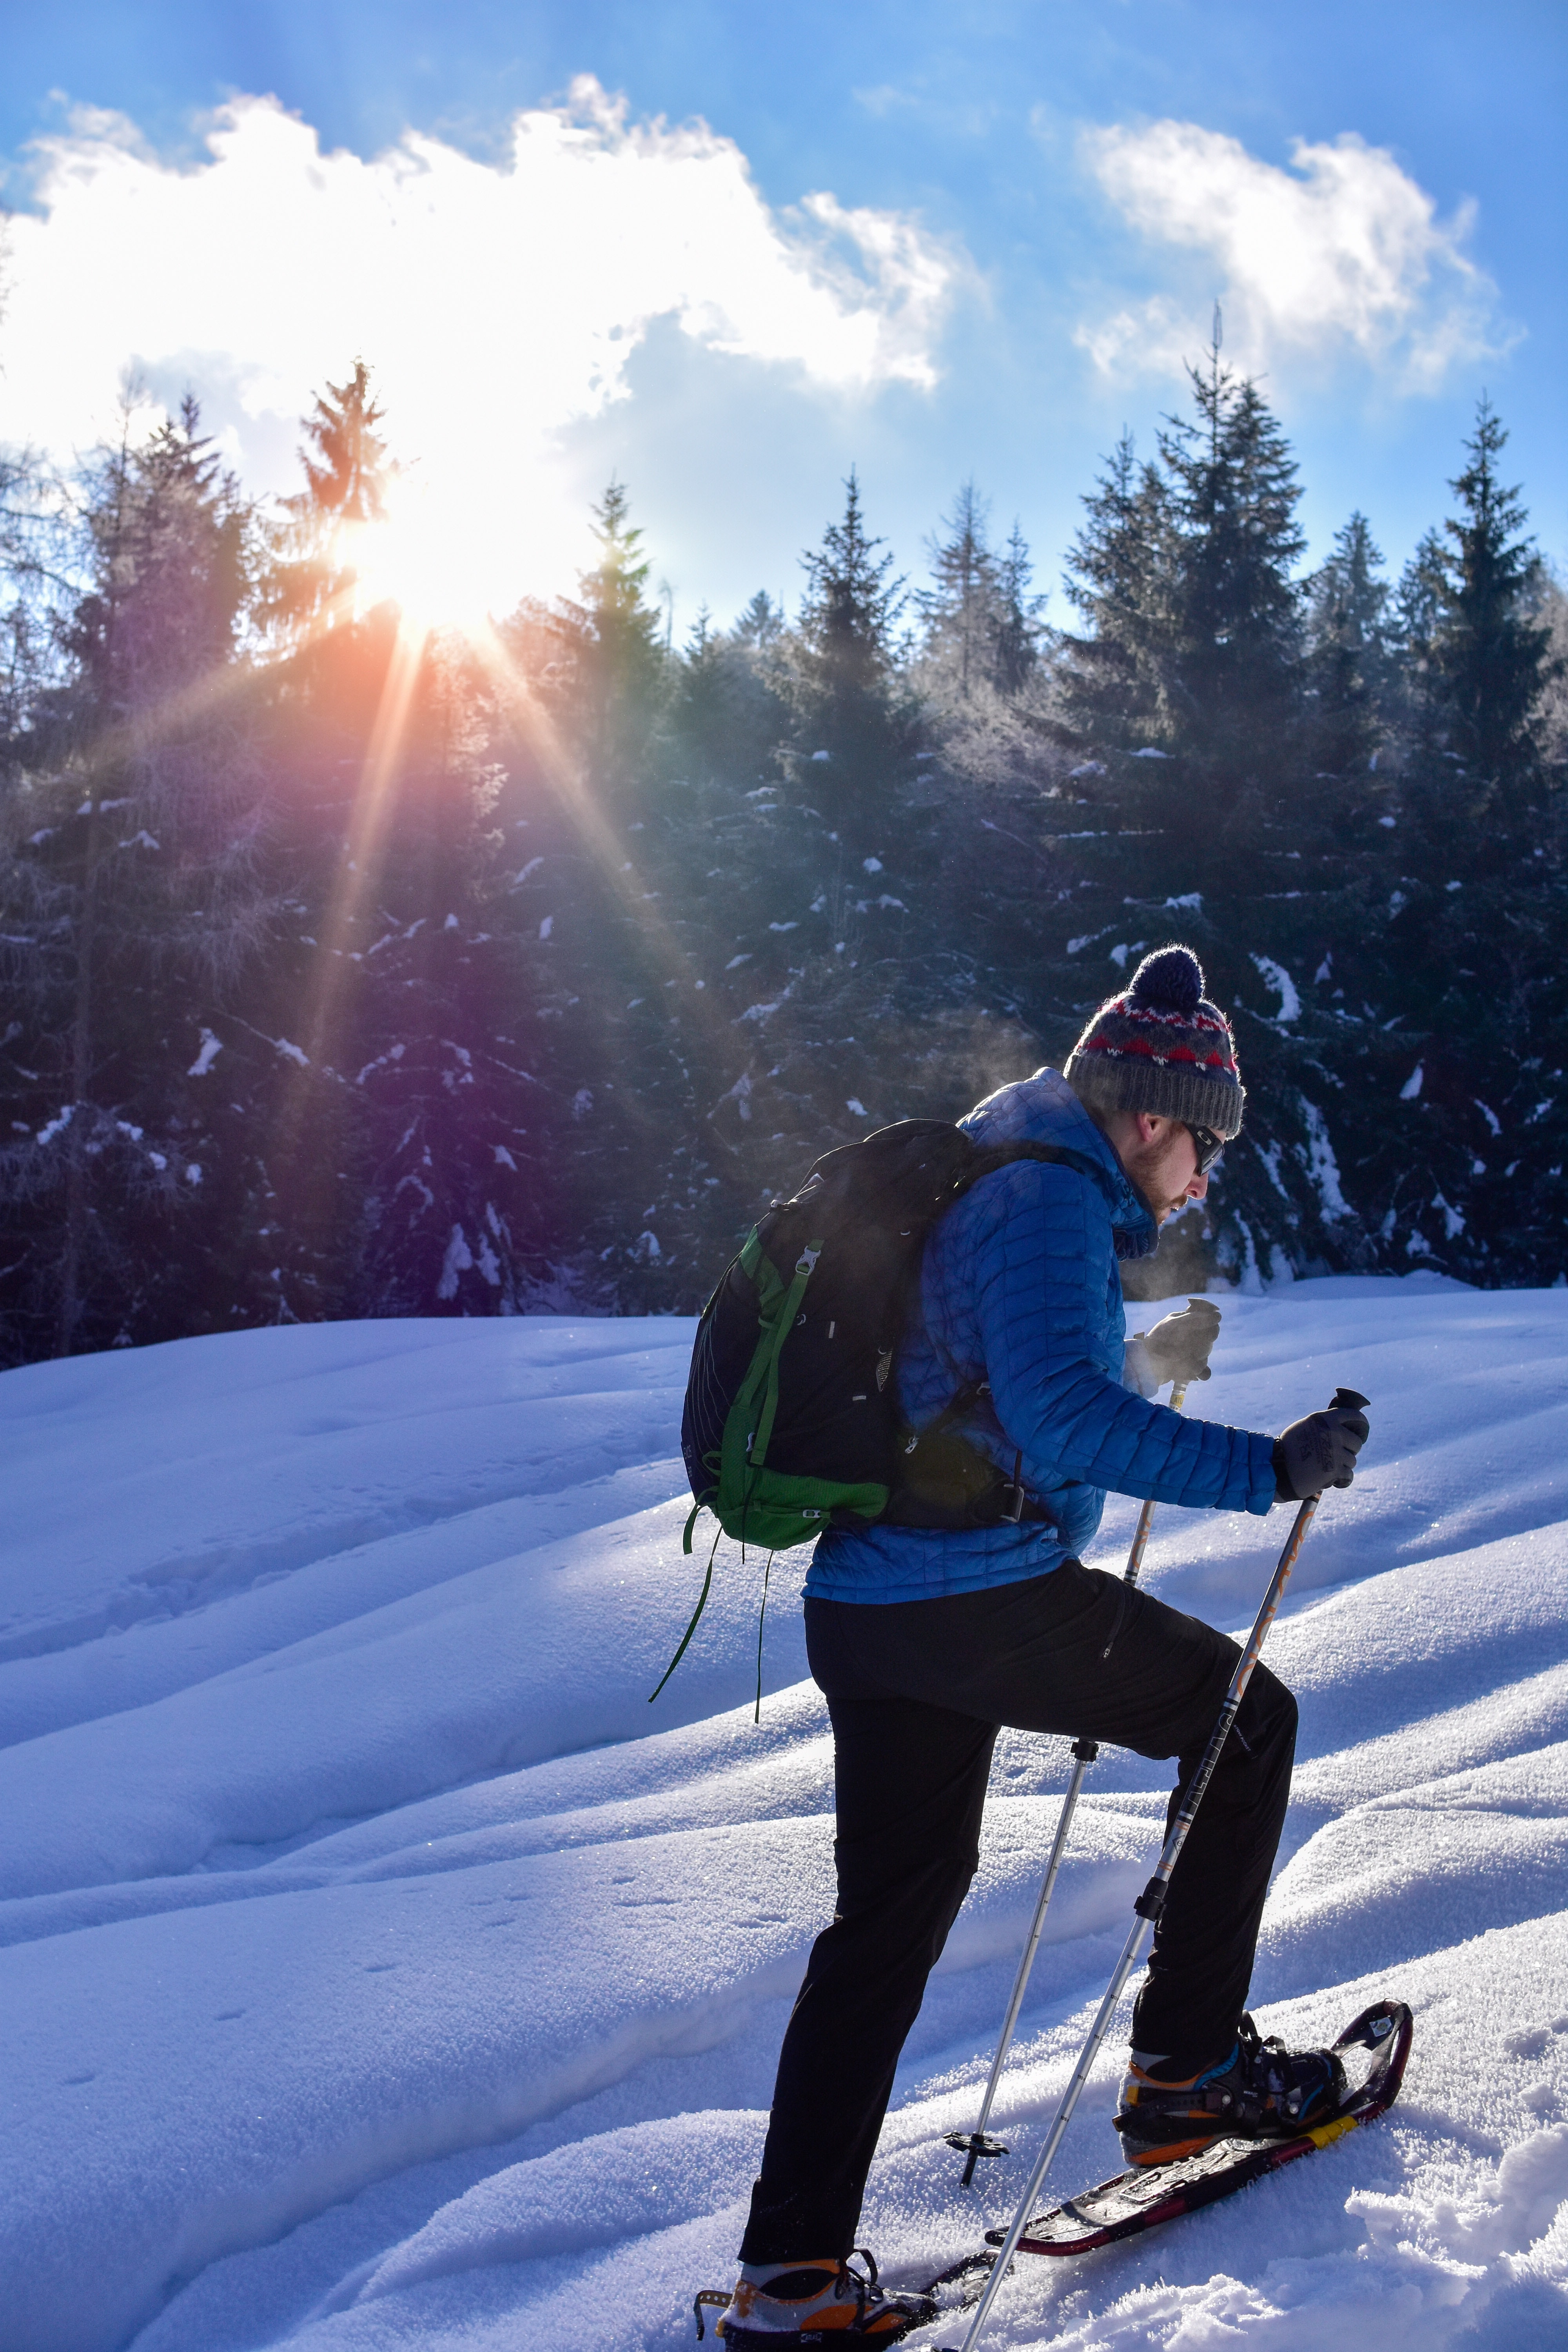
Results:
[1178, 1346]
[1318, 1452]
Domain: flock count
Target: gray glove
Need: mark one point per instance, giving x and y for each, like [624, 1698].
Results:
[1178, 1349]
[1318, 1452]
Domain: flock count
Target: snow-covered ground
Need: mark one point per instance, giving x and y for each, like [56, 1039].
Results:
[379, 1968]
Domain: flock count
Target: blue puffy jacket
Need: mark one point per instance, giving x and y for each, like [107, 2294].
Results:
[1020, 1288]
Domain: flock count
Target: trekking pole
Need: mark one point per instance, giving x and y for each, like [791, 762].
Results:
[1151, 1901]
[973, 2145]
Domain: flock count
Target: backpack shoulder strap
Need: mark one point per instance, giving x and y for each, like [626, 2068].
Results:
[986, 1161]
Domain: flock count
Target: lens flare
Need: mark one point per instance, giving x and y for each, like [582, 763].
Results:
[433, 561]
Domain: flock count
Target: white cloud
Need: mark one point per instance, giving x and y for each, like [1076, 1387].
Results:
[1341, 254]
[497, 303]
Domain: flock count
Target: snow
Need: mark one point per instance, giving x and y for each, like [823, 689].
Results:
[1318, 1158]
[211, 1047]
[380, 1968]
[1285, 987]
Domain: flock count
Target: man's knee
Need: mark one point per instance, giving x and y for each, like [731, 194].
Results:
[1269, 1714]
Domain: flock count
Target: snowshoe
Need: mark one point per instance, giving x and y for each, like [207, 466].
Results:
[814, 2302]
[1259, 2090]
[1372, 2048]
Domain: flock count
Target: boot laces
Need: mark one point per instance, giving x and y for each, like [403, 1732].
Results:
[1273, 2068]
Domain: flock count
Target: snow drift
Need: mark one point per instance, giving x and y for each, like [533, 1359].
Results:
[379, 1968]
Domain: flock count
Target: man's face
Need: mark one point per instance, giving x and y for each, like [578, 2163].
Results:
[1161, 1159]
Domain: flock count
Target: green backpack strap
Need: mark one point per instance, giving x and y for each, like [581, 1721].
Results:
[776, 1310]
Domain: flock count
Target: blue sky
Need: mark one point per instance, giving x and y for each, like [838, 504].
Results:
[1031, 211]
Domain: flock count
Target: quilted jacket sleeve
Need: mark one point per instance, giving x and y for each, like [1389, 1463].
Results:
[1048, 1297]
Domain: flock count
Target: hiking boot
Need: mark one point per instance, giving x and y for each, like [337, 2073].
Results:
[783, 2305]
[1259, 2090]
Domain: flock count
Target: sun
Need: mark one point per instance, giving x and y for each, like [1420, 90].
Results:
[429, 556]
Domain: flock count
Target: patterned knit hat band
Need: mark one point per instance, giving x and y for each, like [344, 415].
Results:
[1162, 1047]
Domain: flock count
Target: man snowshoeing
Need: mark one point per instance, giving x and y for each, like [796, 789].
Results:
[926, 1641]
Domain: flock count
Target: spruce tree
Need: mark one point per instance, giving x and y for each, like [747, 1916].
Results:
[1233, 492]
[980, 624]
[396, 1170]
[1121, 579]
[961, 611]
[726, 717]
[1489, 649]
[144, 757]
[1348, 655]
[1481, 902]
[616, 689]
[839, 673]
[1192, 812]
[1015, 637]
[348, 474]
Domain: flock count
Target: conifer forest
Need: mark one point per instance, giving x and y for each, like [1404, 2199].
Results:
[355, 968]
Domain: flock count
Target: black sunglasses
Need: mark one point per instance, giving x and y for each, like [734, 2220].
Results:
[1207, 1144]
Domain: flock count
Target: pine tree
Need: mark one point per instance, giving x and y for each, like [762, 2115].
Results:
[1199, 816]
[1489, 647]
[1014, 644]
[840, 672]
[392, 1172]
[1480, 903]
[1121, 579]
[962, 613]
[615, 695]
[981, 626]
[1233, 492]
[1552, 710]
[150, 871]
[726, 716]
[1348, 654]
[348, 473]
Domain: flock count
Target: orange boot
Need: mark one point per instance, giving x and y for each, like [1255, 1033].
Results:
[778, 2305]
[1259, 2090]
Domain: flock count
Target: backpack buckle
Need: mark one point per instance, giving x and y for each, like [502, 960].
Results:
[1010, 1501]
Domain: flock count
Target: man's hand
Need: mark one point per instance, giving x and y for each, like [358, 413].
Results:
[1317, 1453]
[1178, 1349]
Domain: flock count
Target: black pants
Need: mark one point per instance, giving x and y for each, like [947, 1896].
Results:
[917, 1690]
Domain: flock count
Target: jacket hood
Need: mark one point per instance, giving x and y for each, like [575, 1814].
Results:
[1045, 1109]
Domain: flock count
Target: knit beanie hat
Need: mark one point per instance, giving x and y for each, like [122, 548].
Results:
[1162, 1047]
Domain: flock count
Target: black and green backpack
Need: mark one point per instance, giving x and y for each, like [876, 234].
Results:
[792, 1422]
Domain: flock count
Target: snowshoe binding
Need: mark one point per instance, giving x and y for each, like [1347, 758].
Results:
[813, 2303]
[1259, 2091]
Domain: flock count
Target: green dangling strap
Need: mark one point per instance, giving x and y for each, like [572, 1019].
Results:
[701, 1604]
[762, 1614]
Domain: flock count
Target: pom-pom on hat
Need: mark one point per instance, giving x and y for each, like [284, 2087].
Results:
[1161, 1046]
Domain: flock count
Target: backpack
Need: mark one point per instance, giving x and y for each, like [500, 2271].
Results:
[791, 1422]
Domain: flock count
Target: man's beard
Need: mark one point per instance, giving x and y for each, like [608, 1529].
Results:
[1141, 1165]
